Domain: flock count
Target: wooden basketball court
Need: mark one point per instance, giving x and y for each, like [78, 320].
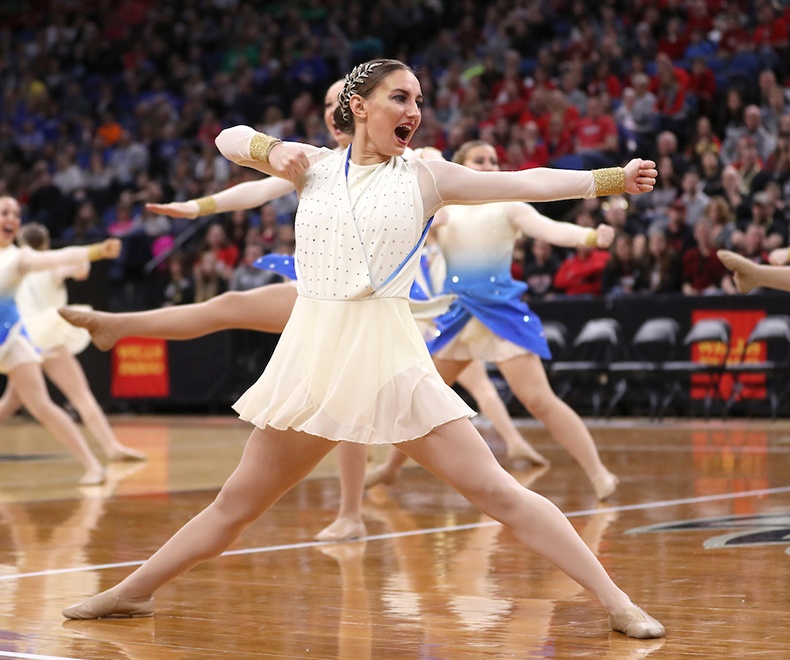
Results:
[698, 533]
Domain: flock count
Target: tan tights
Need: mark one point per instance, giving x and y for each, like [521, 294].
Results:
[274, 461]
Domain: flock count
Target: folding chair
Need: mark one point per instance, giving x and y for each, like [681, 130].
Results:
[654, 342]
[774, 330]
[715, 331]
[595, 347]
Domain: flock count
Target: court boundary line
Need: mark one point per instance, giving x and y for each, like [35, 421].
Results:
[418, 532]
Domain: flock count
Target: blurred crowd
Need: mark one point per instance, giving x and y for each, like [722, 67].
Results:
[111, 104]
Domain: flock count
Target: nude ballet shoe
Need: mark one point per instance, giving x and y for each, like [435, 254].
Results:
[102, 337]
[525, 451]
[343, 530]
[93, 477]
[107, 604]
[633, 621]
[380, 475]
[126, 454]
[605, 484]
[743, 270]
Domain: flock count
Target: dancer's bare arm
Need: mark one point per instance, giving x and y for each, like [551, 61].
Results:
[243, 146]
[456, 184]
[32, 260]
[564, 234]
[247, 195]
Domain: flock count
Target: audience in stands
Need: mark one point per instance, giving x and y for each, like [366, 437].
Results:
[106, 107]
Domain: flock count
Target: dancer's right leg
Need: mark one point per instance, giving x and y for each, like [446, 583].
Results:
[9, 402]
[272, 463]
[474, 379]
[28, 381]
[265, 309]
[388, 470]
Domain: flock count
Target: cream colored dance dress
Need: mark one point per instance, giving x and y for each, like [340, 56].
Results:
[15, 345]
[38, 298]
[351, 363]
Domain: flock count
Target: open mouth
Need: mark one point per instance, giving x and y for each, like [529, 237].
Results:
[403, 132]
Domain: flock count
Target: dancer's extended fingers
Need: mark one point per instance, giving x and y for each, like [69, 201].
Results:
[175, 209]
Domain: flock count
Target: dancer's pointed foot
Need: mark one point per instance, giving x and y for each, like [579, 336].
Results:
[95, 476]
[744, 270]
[107, 604]
[94, 322]
[605, 483]
[124, 453]
[525, 451]
[381, 474]
[633, 621]
[343, 529]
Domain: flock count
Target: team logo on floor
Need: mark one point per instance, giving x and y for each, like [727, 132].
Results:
[747, 530]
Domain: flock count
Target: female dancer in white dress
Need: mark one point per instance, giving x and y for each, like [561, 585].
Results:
[351, 365]
[489, 321]
[38, 298]
[273, 304]
[19, 360]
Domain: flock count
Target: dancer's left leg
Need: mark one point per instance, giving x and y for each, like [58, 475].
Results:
[9, 402]
[527, 378]
[352, 458]
[272, 463]
[63, 369]
[458, 455]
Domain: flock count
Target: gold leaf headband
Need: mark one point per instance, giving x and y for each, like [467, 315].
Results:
[357, 75]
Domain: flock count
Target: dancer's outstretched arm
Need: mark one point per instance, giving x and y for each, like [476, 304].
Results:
[457, 184]
[563, 234]
[34, 260]
[247, 195]
[749, 275]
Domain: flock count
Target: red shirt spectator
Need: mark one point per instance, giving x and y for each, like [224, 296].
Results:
[582, 273]
[673, 43]
[772, 28]
[597, 131]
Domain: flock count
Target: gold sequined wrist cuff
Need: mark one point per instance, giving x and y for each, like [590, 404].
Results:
[96, 252]
[591, 238]
[261, 145]
[206, 205]
[609, 181]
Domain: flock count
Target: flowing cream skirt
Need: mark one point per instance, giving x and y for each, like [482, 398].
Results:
[352, 370]
[48, 330]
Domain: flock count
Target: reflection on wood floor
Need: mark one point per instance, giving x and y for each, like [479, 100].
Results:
[698, 533]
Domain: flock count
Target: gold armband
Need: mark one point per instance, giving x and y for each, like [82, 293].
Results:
[96, 252]
[609, 181]
[261, 145]
[206, 205]
[591, 238]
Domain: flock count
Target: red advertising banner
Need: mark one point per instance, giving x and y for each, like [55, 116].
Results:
[742, 323]
[140, 369]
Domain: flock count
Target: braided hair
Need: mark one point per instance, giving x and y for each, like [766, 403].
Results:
[362, 80]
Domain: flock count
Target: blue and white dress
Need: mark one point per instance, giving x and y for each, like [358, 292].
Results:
[351, 363]
[489, 320]
[15, 346]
